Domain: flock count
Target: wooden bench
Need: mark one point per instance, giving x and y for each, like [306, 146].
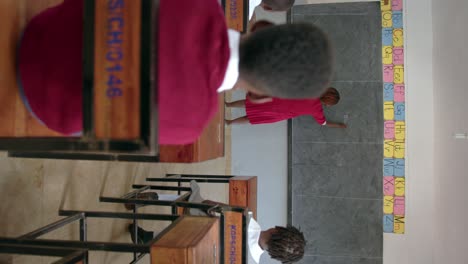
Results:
[242, 196]
[119, 115]
[242, 193]
[242, 189]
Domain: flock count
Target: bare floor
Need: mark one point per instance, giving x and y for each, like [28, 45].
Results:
[32, 191]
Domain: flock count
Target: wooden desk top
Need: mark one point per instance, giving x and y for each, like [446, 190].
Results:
[190, 240]
[17, 122]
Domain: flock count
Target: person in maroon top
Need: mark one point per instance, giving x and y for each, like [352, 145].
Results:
[198, 57]
[276, 109]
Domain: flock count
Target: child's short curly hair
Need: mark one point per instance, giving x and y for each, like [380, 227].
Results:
[286, 244]
[287, 61]
[330, 97]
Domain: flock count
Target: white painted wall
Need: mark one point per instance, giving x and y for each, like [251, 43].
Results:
[417, 246]
[450, 18]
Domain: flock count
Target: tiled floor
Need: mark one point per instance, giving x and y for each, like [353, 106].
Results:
[336, 173]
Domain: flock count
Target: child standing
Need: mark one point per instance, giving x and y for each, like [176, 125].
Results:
[275, 109]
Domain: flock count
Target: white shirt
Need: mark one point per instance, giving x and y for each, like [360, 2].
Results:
[253, 235]
[252, 5]
[232, 71]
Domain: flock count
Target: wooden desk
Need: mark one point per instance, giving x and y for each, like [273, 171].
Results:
[133, 127]
[115, 126]
[242, 193]
[190, 240]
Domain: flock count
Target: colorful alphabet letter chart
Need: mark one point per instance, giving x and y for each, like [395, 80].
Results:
[394, 116]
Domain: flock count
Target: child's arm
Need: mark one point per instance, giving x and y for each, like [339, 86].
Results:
[320, 118]
[337, 125]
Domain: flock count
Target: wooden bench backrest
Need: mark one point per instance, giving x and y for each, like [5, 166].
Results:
[117, 66]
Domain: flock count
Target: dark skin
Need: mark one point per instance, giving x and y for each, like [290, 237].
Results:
[265, 236]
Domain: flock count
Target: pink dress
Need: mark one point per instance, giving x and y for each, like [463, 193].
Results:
[283, 109]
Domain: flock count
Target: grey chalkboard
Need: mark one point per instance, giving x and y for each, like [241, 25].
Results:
[336, 174]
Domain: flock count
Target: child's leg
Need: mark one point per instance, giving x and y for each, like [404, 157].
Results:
[238, 104]
[238, 121]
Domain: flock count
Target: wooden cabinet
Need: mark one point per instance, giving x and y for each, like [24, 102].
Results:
[190, 240]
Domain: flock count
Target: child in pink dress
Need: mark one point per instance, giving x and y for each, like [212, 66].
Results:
[276, 109]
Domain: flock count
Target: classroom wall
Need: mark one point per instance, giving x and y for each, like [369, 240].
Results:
[417, 245]
[450, 114]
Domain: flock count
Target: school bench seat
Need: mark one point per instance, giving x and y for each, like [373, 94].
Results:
[234, 217]
[242, 189]
[242, 193]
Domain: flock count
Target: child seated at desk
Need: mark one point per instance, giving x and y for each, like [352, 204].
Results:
[198, 57]
[285, 244]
